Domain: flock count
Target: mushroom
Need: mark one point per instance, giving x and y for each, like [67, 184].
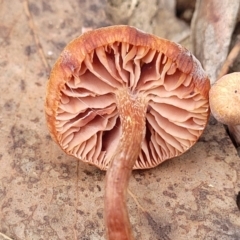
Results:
[224, 99]
[121, 99]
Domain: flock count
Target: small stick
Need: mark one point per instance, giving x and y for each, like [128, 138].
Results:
[35, 36]
[230, 59]
[148, 216]
[135, 200]
[5, 237]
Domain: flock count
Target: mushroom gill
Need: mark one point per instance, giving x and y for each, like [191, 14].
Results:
[121, 99]
[87, 119]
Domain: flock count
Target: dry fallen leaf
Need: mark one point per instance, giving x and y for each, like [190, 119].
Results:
[45, 194]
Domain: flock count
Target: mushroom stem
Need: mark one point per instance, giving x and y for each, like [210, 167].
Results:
[132, 111]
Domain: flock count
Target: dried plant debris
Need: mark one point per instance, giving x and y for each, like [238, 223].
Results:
[213, 24]
[4, 237]
[238, 200]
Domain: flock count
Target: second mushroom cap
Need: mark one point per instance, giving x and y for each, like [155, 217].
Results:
[224, 99]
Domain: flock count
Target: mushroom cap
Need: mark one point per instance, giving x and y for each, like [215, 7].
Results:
[80, 104]
[224, 99]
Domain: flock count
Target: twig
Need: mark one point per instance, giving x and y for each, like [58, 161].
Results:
[155, 227]
[34, 33]
[5, 237]
[230, 59]
[136, 201]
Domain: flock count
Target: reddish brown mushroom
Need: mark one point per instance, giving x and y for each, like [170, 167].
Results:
[121, 99]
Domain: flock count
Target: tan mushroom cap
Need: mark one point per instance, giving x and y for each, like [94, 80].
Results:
[80, 103]
[224, 99]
